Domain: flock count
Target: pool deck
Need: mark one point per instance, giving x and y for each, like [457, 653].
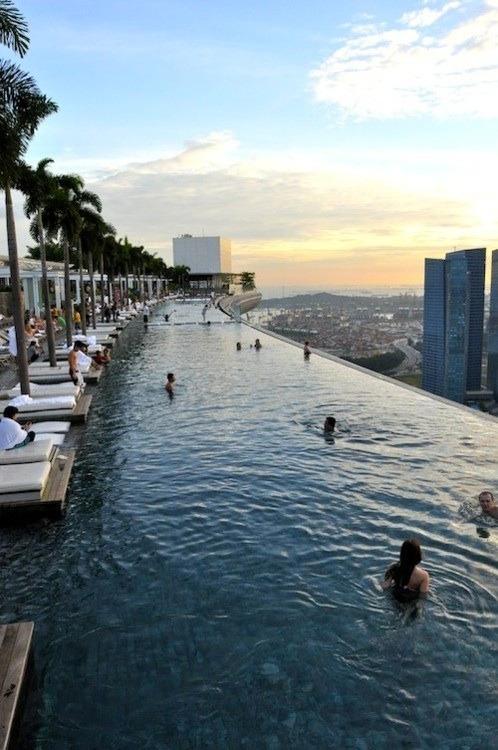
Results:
[15, 647]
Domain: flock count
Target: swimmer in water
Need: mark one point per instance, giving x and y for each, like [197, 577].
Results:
[405, 578]
[170, 382]
[307, 350]
[257, 344]
[239, 346]
[329, 425]
[488, 504]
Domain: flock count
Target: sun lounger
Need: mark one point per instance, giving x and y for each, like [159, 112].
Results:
[49, 390]
[23, 483]
[38, 450]
[44, 366]
[63, 406]
[57, 438]
[61, 427]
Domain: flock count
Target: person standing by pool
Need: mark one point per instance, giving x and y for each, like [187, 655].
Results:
[204, 312]
[72, 358]
[405, 578]
[145, 311]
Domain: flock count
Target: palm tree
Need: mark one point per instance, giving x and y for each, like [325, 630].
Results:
[63, 215]
[22, 109]
[92, 235]
[37, 184]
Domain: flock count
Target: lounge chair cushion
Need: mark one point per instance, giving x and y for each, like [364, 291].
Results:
[44, 404]
[23, 483]
[38, 450]
[63, 427]
[37, 390]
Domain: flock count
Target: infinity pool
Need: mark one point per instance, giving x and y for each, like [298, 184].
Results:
[215, 581]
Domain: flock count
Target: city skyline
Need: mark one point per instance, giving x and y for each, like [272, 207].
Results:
[334, 146]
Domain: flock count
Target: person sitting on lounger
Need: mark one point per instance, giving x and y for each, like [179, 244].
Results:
[12, 434]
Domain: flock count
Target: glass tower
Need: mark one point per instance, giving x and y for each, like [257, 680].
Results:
[434, 327]
[453, 323]
[492, 377]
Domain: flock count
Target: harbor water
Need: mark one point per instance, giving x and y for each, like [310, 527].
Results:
[215, 581]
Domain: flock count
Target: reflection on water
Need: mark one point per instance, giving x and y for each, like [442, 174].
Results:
[215, 582]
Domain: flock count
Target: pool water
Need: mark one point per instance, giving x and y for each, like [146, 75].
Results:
[215, 581]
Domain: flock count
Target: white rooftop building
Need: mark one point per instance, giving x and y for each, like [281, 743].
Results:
[209, 259]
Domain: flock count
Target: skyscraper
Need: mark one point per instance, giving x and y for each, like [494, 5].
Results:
[492, 376]
[434, 327]
[453, 323]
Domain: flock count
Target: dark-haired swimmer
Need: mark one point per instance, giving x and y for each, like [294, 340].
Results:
[329, 425]
[405, 578]
[488, 504]
[170, 381]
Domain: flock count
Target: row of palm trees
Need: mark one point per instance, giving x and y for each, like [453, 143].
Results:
[61, 209]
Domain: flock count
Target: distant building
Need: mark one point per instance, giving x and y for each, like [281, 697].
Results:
[434, 327]
[209, 260]
[492, 374]
[453, 324]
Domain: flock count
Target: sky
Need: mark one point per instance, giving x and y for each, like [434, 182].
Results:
[335, 144]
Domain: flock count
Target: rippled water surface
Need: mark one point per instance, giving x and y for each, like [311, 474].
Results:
[215, 581]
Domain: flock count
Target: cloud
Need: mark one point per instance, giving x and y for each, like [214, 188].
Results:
[435, 61]
[302, 217]
[298, 211]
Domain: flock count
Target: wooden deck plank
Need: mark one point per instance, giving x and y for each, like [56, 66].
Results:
[55, 490]
[14, 654]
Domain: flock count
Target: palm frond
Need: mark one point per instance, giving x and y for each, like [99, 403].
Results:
[13, 28]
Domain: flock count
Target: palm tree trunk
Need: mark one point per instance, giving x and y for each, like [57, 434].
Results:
[82, 289]
[49, 324]
[102, 291]
[68, 302]
[92, 289]
[15, 280]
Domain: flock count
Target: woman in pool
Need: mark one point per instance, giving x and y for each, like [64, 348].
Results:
[405, 578]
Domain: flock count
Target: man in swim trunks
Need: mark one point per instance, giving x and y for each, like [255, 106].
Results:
[74, 372]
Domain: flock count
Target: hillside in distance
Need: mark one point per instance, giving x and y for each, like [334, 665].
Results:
[344, 302]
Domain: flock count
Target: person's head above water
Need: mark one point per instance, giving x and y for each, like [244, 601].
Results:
[171, 377]
[486, 501]
[410, 553]
[329, 424]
